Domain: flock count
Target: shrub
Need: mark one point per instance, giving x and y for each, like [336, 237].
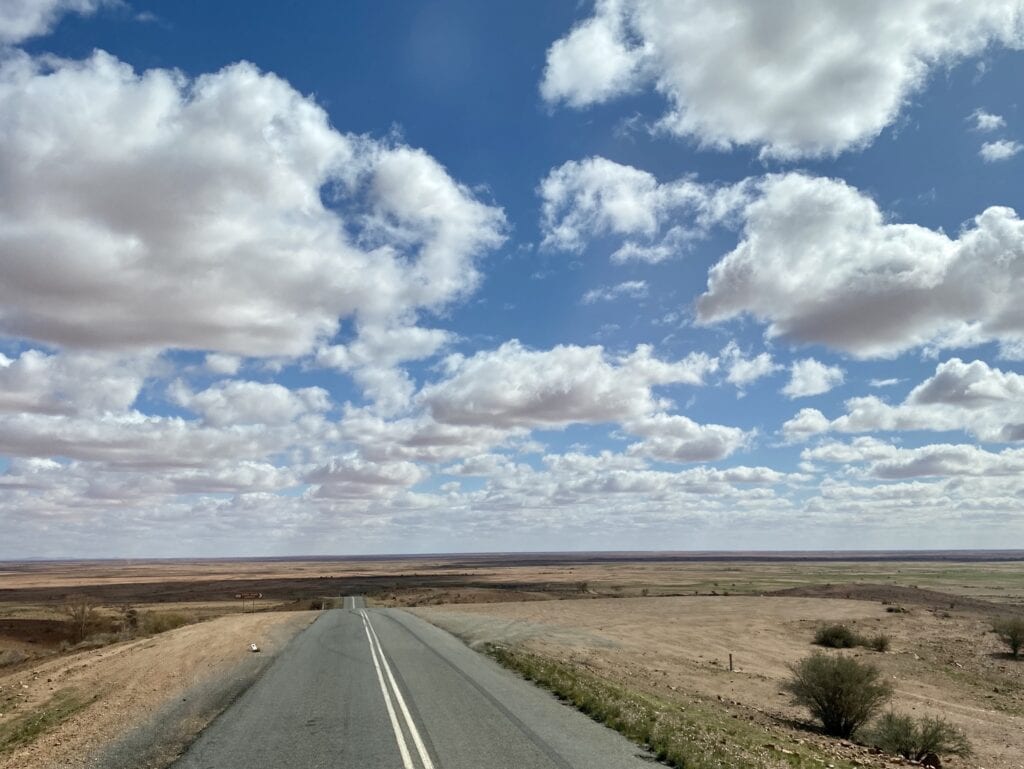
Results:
[1011, 632]
[840, 692]
[160, 622]
[82, 618]
[912, 739]
[880, 642]
[836, 637]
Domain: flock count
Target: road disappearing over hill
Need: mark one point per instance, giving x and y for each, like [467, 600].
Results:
[382, 689]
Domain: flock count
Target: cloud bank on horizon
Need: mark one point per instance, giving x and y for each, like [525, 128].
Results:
[254, 304]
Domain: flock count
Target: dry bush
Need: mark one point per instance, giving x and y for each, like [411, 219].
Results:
[161, 621]
[907, 737]
[1011, 632]
[836, 637]
[840, 692]
[82, 618]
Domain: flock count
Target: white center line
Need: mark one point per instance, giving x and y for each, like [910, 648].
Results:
[420, 747]
[403, 748]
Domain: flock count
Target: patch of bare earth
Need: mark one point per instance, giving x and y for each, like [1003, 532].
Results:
[943, 663]
[121, 687]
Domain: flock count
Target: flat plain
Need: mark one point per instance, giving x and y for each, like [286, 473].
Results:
[658, 625]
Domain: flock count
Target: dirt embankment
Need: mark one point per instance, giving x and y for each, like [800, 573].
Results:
[135, 704]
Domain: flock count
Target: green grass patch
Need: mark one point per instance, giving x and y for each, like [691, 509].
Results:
[696, 735]
[28, 727]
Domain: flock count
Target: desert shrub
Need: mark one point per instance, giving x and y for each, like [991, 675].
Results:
[95, 641]
[840, 692]
[836, 637]
[82, 618]
[161, 622]
[1011, 632]
[880, 642]
[907, 737]
[895, 610]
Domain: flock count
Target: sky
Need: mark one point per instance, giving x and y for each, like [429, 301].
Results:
[302, 278]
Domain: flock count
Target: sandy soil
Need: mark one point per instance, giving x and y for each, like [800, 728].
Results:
[130, 681]
[941, 663]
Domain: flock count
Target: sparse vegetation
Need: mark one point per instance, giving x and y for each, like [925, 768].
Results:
[1011, 632]
[905, 736]
[841, 637]
[28, 727]
[160, 622]
[836, 637]
[840, 692]
[81, 618]
[694, 737]
[880, 642]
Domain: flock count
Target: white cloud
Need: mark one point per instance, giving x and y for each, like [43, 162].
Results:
[516, 387]
[795, 79]
[23, 19]
[71, 383]
[218, 363]
[585, 199]
[890, 382]
[819, 263]
[354, 476]
[246, 403]
[984, 401]
[593, 63]
[887, 462]
[1001, 149]
[151, 211]
[743, 371]
[806, 423]
[986, 121]
[676, 438]
[811, 377]
[634, 289]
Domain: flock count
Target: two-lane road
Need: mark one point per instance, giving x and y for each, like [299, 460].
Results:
[382, 689]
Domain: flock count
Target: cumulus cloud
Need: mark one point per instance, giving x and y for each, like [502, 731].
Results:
[806, 423]
[244, 403]
[595, 197]
[71, 383]
[352, 475]
[819, 263]
[986, 121]
[887, 462]
[634, 289]
[1001, 149]
[798, 79]
[742, 371]
[811, 377]
[676, 438]
[976, 398]
[147, 210]
[23, 19]
[513, 386]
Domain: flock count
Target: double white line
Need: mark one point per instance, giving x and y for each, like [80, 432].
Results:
[381, 662]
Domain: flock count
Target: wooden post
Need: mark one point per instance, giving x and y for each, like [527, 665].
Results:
[730, 663]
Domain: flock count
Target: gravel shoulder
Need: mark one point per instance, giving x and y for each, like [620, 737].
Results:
[141, 701]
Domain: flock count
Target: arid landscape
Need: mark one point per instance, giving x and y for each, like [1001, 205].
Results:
[658, 626]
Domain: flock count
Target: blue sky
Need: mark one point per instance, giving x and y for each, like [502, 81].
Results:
[354, 278]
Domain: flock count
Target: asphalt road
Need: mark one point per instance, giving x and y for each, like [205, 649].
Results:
[382, 689]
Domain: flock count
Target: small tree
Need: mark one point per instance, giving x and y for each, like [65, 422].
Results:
[839, 691]
[912, 739]
[81, 616]
[1011, 632]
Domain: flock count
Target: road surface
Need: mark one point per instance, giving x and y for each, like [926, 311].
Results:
[382, 689]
